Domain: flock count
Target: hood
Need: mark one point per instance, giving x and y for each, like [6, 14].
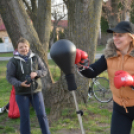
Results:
[111, 51]
[16, 56]
[15, 52]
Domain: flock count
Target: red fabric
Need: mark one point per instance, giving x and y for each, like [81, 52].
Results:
[78, 56]
[13, 107]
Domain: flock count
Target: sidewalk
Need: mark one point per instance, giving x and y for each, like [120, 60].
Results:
[7, 58]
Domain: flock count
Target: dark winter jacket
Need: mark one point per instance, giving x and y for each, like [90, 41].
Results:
[18, 68]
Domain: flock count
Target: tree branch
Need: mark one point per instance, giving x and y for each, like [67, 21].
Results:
[27, 5]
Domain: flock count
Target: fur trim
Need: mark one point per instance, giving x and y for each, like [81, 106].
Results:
[132, 53]
[111, 51]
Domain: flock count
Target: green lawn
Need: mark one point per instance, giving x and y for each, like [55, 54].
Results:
[100, 48]
[6, 54]
[96, 118]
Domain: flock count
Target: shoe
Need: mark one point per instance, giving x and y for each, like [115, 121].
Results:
[2, 110]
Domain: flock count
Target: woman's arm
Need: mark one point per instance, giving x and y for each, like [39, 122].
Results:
[96, 68]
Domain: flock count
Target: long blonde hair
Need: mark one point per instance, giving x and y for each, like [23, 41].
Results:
[132, 35]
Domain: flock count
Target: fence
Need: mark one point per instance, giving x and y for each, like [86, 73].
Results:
[6, 47]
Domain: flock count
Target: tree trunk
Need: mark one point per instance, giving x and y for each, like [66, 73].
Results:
[124, 9]
[33, 14]
[19, 25]
[112, 13]
[84, 22]
[44, 22]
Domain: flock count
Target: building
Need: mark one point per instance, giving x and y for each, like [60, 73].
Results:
[5, 42]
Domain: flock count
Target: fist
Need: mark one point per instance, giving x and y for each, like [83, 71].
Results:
[122, 78]
[80, 55]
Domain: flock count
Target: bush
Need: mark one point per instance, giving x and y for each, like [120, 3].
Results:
[61, 35]
[1, 41]
[132, 13]
[104, 24]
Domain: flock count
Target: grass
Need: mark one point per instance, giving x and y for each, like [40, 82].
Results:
[100, 48]
[96, 118]
[10, 54]
[54, 70]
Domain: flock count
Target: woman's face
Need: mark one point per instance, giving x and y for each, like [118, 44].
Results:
[122, 41]
[23, 48]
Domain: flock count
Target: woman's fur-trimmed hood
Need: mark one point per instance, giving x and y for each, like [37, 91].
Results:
[111, 51]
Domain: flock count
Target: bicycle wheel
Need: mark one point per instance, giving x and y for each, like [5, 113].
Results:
[101, 90]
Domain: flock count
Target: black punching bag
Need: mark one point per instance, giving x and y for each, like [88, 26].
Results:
[63, 52]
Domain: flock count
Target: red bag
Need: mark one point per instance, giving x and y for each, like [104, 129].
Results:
[13, 107]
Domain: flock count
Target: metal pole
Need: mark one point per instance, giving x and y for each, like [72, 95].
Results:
[77, 109]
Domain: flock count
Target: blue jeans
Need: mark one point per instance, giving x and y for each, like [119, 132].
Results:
[37, 102]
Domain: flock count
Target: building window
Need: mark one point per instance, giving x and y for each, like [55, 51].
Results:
[6, 39]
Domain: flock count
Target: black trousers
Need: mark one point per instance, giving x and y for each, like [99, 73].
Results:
[121, 121]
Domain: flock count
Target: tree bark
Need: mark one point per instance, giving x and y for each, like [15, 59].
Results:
[18, 24]
[44, 22]
[112, 13]
[14, 11]
[124, 9]
[84, 22]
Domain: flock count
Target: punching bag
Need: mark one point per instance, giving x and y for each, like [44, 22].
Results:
[63, 52]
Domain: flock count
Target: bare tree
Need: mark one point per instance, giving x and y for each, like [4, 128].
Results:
[84, 22]
[83, 28]
[57, 16]
[115, 11]
[56, 94]
[41, 20]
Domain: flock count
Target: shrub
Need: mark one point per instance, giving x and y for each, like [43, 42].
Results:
[104, 24]
[1, 41]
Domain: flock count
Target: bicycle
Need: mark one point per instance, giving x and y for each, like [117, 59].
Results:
[100, 90]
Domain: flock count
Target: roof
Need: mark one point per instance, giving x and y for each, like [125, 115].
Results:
[62, 23]
[2, 27]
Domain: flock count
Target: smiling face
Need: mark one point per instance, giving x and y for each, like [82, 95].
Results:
[23, 48]
[122, 41]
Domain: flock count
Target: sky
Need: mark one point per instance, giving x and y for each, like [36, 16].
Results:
[62, 0]
[60, 8]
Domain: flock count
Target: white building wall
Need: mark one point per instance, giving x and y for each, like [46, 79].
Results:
[6, 47]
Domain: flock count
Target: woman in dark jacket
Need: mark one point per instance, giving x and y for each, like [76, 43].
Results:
[23, 72]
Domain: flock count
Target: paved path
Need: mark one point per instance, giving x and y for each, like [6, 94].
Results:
[7, 58]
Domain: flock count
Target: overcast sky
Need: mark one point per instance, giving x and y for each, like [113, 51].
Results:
[60, 8]
[58, 1]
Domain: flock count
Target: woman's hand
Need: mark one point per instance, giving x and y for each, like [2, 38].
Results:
[79, 65]
[33, 75]
[23, 84]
